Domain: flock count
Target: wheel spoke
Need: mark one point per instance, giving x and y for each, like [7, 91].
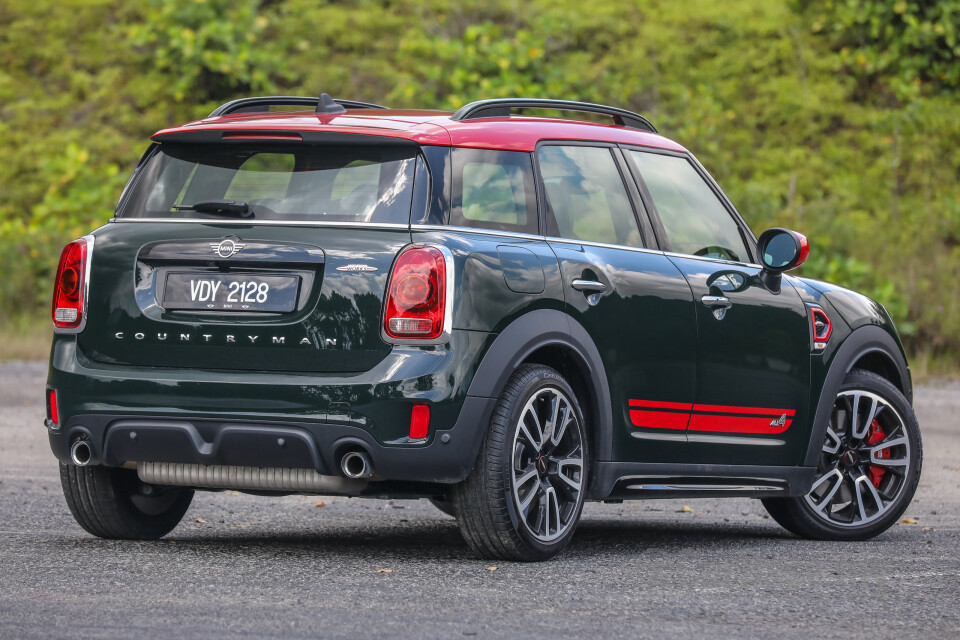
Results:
[550, 427]
[577, 463]
[861, 429]
[864, 481]
[833, 442]
[565, 419]
[825, 501]
[525, 501]
[875, 453]
[535, 442]
[525, 478]
[858, 494]
[552, 511]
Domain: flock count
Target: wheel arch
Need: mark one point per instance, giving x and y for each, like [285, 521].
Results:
[870, 348]
[554, 339]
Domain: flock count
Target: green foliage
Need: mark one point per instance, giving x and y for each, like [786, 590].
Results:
[209, 48]
[897, 45]
[838, 118]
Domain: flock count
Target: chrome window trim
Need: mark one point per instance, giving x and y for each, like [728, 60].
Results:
[713, 260]
[475, 230]
[603, 245]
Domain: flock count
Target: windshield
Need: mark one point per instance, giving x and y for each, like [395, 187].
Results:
[277, 182]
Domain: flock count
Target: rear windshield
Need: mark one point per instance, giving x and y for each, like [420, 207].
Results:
[278, 182]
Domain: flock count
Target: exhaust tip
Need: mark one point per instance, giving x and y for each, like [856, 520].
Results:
[81, 454]
[356, 464]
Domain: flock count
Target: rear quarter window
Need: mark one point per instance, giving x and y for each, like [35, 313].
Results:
[494, 190]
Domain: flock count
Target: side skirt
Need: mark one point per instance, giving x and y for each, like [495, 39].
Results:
[638, 481]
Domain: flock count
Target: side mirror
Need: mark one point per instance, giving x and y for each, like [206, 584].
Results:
[780, 250]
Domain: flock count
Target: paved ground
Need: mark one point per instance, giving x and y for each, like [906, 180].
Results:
[242, 566]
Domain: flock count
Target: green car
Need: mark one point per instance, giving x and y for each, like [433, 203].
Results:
[506, 314]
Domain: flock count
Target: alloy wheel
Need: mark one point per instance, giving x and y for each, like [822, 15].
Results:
[547, 466]
[864, 463]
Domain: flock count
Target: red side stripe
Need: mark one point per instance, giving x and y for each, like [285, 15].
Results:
[702, 417]
[682, 406]
[659, 419]
[714, 408]
[733, 424]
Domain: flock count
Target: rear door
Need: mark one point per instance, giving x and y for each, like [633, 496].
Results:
[635, 304]
[753, 345]
[293, 283]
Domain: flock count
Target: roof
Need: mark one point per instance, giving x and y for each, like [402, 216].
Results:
[511, 133]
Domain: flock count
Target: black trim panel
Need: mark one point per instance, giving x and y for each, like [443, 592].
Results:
[869, 339]
[611, 480]
[542, 328]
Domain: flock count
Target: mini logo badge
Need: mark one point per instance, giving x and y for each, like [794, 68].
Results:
[226, 248]
[779, 422]
[356, 268]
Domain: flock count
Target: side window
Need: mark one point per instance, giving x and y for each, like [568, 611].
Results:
[493, 190]
[586, 195]
[693, 216]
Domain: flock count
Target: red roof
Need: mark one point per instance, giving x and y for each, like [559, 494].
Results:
[515, 133]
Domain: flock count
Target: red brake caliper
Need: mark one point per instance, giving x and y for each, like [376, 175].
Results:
[876, 435]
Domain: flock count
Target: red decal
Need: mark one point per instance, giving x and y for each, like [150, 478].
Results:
[659, 419]
[734, 424]
[705, 417]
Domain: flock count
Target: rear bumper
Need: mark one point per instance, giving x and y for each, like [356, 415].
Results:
[280, 420]
[115, 440]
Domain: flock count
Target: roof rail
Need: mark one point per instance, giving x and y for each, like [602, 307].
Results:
[501, 107]
[261, 104]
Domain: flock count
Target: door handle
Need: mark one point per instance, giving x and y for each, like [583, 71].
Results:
[589, 285]
[719, 304]
[592, 290]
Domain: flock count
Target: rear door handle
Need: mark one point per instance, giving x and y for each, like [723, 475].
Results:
[589, 285]
[719, 304]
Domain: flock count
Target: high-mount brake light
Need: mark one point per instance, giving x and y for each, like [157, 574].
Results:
[69, 291]
[417, 295]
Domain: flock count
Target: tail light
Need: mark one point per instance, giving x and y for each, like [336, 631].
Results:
[70, 287]
[416, 305]
[822, 328]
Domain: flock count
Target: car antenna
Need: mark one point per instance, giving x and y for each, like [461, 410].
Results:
[326, 104]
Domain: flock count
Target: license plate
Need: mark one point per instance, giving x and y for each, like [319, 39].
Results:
[230, 292]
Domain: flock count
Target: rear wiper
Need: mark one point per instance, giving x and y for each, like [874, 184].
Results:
[237, 208]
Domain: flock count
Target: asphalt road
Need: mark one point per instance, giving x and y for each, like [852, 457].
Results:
[244, 566]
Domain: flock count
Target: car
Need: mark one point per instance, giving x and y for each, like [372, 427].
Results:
[508, 310]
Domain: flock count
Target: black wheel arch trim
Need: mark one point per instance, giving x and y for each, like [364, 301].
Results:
[545, 328]
[863, 341]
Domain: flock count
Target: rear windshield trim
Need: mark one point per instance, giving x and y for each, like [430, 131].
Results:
[289, 223]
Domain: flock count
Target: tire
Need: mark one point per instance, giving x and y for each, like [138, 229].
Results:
[112, 503]
[868, 469]
[524, 497]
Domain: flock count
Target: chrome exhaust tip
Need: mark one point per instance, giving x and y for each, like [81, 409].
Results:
[356, 464]
[81, 454]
